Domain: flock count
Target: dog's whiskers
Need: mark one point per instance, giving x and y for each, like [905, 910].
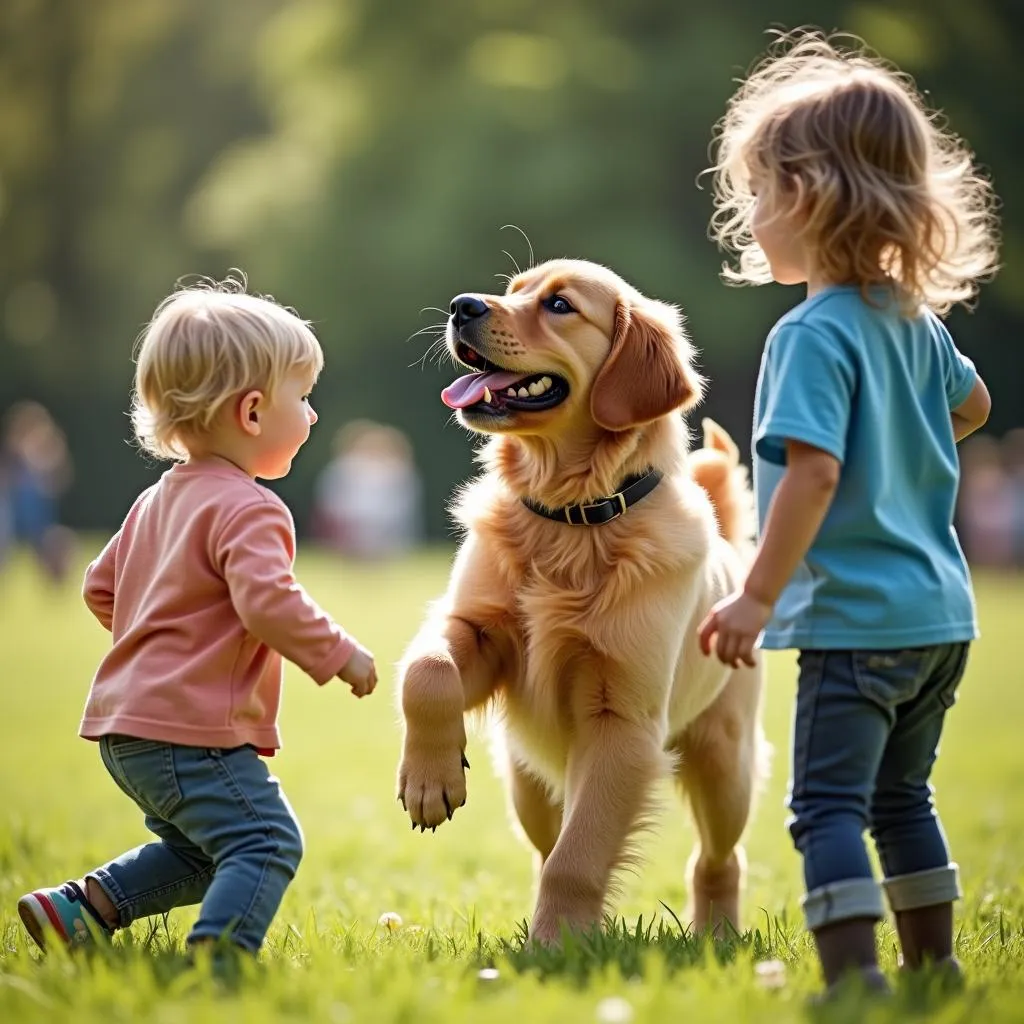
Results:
[513, 259]
[435, 329]
[437, 349]
[529, 245]
[440, 350]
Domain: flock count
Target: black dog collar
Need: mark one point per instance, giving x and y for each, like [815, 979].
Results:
[604, 510]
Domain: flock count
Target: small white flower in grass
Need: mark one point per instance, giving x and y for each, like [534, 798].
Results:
[390, 920]
[488, 974]
[770, 973]
[614, 1010]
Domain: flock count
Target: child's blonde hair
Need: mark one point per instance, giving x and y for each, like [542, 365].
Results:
[886, 194]
[207, 343]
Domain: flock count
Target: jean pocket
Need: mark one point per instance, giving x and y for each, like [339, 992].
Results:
[147, 773]
[890, 678]
[958, 661]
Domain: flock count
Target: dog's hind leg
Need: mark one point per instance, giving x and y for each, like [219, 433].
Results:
[719, 763]
[539, 815]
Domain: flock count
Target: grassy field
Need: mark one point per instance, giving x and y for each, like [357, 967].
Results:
[463, 893]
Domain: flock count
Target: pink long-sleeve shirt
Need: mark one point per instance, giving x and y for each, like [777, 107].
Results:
[198, 591]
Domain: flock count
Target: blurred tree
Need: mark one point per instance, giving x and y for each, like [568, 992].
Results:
[110, 113]
[359, 160]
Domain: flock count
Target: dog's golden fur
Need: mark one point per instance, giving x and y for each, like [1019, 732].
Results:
[584, 638]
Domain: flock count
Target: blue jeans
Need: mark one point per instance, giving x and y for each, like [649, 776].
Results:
[865, 736]
[227, 838]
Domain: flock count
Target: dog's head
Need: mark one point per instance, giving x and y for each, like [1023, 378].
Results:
[570, 342]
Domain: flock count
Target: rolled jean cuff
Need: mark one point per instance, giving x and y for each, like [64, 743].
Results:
[923, 888]
[842, 901]
[115, 894]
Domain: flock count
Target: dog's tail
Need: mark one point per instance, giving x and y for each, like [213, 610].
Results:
[717, 468]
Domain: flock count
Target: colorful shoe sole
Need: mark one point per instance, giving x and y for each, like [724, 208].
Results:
[38, 914]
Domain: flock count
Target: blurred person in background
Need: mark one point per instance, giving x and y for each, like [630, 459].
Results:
[35, 470]
[368, 499]
[1013, 462]
[986, 505]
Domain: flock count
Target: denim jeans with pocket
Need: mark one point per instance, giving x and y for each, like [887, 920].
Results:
[865, 736]
[226, 838]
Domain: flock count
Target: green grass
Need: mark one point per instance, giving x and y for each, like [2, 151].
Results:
[463, 893]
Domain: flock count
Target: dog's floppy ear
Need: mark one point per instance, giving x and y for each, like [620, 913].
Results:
[647, 373]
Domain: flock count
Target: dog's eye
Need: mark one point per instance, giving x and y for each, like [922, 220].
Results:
[558, 304]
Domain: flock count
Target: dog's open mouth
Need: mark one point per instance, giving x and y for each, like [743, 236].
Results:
[494, 390]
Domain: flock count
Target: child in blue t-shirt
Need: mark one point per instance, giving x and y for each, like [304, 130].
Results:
[829, 172]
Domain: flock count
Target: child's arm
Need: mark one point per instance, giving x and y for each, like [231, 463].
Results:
[255, 551]
[973, 412]
[797, 510]
[98, 587]
[966, 394]
[795, 515]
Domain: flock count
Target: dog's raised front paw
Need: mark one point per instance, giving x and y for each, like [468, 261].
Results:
[432, 782]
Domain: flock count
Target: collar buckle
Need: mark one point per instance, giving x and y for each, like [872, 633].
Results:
[620, 511]
[604, 510]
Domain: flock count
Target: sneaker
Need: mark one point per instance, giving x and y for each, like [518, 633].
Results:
[63, 910]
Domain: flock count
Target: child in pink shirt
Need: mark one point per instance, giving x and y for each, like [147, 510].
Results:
[198, 591]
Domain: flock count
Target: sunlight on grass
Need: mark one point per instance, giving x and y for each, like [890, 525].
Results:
[464, 893]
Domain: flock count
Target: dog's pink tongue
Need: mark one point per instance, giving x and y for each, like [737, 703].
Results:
[469, 390]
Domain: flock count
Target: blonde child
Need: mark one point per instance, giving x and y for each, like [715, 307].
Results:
[830, 173]
[198, 591]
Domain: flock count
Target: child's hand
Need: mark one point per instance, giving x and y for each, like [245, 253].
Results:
[737, 622]
[360, 672]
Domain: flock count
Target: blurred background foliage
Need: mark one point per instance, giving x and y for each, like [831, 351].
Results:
[359, 158]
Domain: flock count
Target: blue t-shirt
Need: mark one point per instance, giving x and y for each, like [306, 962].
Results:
[874, 389]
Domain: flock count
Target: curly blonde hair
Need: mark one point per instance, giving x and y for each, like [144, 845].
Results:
[207, 343]
[885, 193]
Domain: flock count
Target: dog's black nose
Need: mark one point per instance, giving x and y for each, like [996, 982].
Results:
[466, 308]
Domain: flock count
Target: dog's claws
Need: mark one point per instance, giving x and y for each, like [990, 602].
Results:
[465, 760]
[414, 826]
[447, 806]
[433, 828]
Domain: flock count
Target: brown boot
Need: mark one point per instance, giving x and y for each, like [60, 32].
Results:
[926, 937]
[849, 946]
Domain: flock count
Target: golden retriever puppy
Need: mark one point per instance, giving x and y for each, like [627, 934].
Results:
[592, 551]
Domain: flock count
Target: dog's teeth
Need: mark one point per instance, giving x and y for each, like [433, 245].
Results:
[523, 393]
[511, 392]
[536, 388]
[487, 395]
[547, 382]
